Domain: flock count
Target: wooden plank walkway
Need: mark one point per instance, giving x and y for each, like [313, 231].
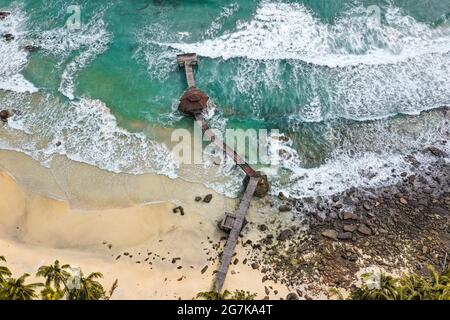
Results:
[224, 147]
[189, 75]
[234, 234]
[187, 61]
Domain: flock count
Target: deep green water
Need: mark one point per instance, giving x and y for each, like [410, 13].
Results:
[347, 88]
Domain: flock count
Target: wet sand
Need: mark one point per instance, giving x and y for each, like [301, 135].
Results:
[106, 222]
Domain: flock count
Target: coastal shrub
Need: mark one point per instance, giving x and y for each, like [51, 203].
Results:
[436, 286]
[227, 295]
[58, 284]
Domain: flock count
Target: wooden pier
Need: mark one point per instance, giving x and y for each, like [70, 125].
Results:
[193, 103]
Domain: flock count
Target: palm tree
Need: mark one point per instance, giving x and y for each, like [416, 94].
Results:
[89, 288]
[4, 271]
[16, 289]
[54, 274]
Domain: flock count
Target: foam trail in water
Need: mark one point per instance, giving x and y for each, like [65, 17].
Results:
[89, 41]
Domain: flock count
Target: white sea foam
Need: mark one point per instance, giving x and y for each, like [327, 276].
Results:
[12, 56]
[88, 42]
[291, 31]
[84, 131]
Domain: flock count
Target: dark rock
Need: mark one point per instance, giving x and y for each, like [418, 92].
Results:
[365, 230]
[349, 216]
[285, 208]
[263, 187]
[179, 209]
[31, 48]
[292, 296]
[335, 198]
[262, 227]
[350, 228]
[8, 37]
[198, 199]
[437, 152]
[4, 14]
[255, 266]
[330, 234]
[204, 269]
[281, 196]
[367, 206]
[285, 234]
[345, 236]
[208, 198]
[6, 114]
[441, 211]
[58, 144]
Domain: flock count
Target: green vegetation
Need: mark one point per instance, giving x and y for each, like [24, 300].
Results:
[407, 287]
[227, 295]
[59, 283]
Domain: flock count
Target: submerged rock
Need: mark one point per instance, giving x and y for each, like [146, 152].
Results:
[437, 152]
[8, 37]
[6, 114]
[4, 14]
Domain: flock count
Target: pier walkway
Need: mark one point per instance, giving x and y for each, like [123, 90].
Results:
[193, 103]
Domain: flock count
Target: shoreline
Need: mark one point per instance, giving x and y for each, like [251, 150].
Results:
[305, 246]
[39, 230]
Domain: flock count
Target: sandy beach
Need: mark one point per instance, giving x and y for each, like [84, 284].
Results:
[87, 217]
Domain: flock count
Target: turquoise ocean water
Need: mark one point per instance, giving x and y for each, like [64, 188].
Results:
[351, 82]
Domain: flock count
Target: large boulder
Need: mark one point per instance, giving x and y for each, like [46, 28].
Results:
[4, 14]
[263, 187]
[6, 114]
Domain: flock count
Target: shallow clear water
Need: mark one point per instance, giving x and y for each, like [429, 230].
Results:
[347, 81]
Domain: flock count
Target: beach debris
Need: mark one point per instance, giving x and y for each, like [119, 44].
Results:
[330, 234]
[208, 198]
[174, 260]
[178, 209]
[198, 199]
[8, 37]
[4, 14]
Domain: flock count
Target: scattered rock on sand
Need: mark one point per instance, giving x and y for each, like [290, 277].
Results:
[285, 208]
[292, 296]
[330, 234]
[179, 209]
[365, 230]
[285, 234]
[350, 228]
[208, 198]
[204, 269]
